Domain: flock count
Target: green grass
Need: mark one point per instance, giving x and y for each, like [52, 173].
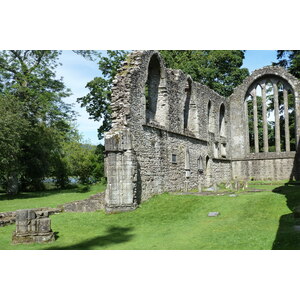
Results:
[248, 221]
[48, 198]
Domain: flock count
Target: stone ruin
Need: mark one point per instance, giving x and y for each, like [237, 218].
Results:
[32, 228]
[170, 133]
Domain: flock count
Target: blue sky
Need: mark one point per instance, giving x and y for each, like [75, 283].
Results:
[255, 59]
[77, 72]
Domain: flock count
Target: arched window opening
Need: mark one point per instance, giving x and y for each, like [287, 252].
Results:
[290, 113]
[259, 117]
[206, 162]
[222, 127]
[209, 117]
[155, 92]
[249, 118]
[281, 115]
[269, 106]
[188, 92]
[208, 171]
[270, 115]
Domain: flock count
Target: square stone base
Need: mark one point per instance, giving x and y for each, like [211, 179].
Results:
[33, 238]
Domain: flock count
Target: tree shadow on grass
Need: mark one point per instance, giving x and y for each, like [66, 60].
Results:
[114, 235]
[288, 234]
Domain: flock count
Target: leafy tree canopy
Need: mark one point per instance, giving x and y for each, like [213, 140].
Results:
[289, 59]
[32, 95]
[218, 69]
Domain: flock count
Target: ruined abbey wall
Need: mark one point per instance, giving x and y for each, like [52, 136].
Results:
[260, 164]
[170, 133]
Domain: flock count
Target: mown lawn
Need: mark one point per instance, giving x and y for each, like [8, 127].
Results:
[47, 198]
[248, 221]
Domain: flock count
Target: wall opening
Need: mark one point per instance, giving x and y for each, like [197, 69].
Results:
[188, 93]
[200, 165]
[209, 117]
[187, 166]
[270, 115]
[216, 149]
[174, 158]
[155, 92]
[223, 150]
[207, 171]
[270, 111]
[222, 127]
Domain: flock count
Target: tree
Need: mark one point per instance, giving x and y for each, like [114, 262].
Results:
[220, 70]
[29, 76]
[289, 59]
[82, 161]
[12, 125]
[97, 101]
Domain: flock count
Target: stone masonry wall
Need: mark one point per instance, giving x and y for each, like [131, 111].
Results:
[166, 125]
[265, 166]
[170, 133]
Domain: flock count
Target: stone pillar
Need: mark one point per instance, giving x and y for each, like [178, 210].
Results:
[255, 123]
[286, 121]
[247, 125]
[122, 190]
[276, 113]
[264, 113]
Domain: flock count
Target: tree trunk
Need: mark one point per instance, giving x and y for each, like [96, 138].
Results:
[12, 184]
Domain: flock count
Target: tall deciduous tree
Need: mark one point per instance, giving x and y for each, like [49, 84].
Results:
[220, 70]
[12, 126]
[289, 59]
[29, 76]
[97, 101]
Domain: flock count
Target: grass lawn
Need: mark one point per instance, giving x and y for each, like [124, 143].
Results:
[48, 198]
[248, 221]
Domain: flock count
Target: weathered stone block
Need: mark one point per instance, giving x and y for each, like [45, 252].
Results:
[32, 228]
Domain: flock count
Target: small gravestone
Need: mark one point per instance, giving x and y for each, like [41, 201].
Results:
[232, 195]
[32, 228]
[213, 214]
[199, 187]
[186, 186]
[237, 185]
[215, 187]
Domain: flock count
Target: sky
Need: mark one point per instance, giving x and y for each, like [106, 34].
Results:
[78, 71]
